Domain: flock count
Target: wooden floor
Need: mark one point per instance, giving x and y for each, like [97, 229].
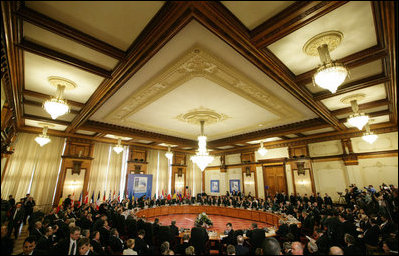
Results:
[24, 233]
[219, 222]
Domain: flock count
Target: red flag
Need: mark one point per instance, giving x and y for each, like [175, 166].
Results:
[86, 198]
[104, 196]
[169, 197]
[113, 196]
[80, 199]
[73, 197]
[119, 196]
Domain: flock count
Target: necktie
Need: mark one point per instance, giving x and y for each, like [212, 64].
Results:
[72, 252]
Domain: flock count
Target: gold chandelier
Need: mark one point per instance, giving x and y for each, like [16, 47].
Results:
[262, 150]
[57, 106]
[43, 138]
[202, 157]
[369, 136]
[169, 154]
[356, 119]
[331, 74]
[118, 148]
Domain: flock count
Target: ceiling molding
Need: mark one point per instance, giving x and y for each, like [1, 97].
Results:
[208, 14]
[290, 19]
[337, 135]
[307, 125]
[300, 135]
[384, 13]
[43, 96]
[353, 86]
[68, 32]
[64, 58]
[169, 23]
[13, 31]
[371, 115]
[354, 60]
[135, 133]
[362, 107]
[37, 130]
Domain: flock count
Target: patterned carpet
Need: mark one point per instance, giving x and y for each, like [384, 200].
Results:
[219, 222]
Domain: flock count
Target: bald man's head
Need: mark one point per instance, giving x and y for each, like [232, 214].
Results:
[296, 248]
[335, 250]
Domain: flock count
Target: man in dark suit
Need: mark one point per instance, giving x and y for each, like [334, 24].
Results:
[230, 239]
[69, 246]
[37, 230]
[131, 225]
[67, 202]
[11, 200]
[7, 244]
[256, 236]
[29, 204]
[174, 230]
[240, 248]
[371, 235]
[141, 246]
[29, 246]
[199, 237]
[327, 199]
[345, 227]
[45, 242]
[16, 218]
[115, 242]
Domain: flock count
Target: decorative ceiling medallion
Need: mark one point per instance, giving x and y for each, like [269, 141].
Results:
[358, 97]
[198, 63]
[330, 38]
[68, 84]
[202, 114]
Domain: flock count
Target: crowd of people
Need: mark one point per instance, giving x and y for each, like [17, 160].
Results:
[365, 224]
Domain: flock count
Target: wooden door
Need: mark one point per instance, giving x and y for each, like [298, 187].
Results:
[274, 178]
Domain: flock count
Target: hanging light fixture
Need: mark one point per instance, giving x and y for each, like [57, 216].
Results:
[43, 139]
[330, 74]
[369, 136]
[57, 106]
[356, 119]
[202, 157]
[169, 154]
[118, 148]
[262, 151]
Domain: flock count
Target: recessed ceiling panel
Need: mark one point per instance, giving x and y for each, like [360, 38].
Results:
[264, 140]
[85, 132]
[111, 136]
[373, 93]
[33, 123]
[115, 22]
[354, 19]
[254, 13]
[328, 129]
[374, 120]
[38, 69]
[61, 44]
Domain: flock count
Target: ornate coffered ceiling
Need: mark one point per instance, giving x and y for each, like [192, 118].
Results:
[150, 70]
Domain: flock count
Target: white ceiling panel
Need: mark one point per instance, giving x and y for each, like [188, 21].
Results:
[370, 110]
[329, 129]
[373, 93]
[354, 19]
[111, 136]
[374, 120]
[38, 69]
[85, 132]
[61, 44]
[254, 13]
[115, 22]
[33, 123]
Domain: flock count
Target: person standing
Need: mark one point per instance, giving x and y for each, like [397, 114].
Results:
[29, 204]
[16, 218]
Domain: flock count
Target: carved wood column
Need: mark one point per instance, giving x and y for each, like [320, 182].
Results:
[349, 157]
[78, 154]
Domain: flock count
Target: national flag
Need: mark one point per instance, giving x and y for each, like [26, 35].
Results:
[163, 194]
[80, 199]
[119, 196]
[104, 196]
[86, 197]
[59, 203]
[73, 197]
[168, 197]
[92, 197]
[174, 196]
[113, 196]
[109, 196]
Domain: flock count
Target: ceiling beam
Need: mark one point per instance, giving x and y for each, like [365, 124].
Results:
[135, 133]
[313, 124]
[284, 137]
[386, 22]
[40, 104]
[43, 96]
[354, 60]
[68, 32]
[300, 135]
[13, 34]
[290, 19]
[336, 135]
[353, 86]
[46, 120]
[362, 107]
[215, 17]
[172, 17]
[36, 130]
[62, 57]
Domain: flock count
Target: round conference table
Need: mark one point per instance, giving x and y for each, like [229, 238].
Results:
[254, 215]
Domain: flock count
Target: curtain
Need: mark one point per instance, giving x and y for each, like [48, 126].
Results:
[163, 172]
[99, 168]
[152, 168]
[114, 173]
[30, 162]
